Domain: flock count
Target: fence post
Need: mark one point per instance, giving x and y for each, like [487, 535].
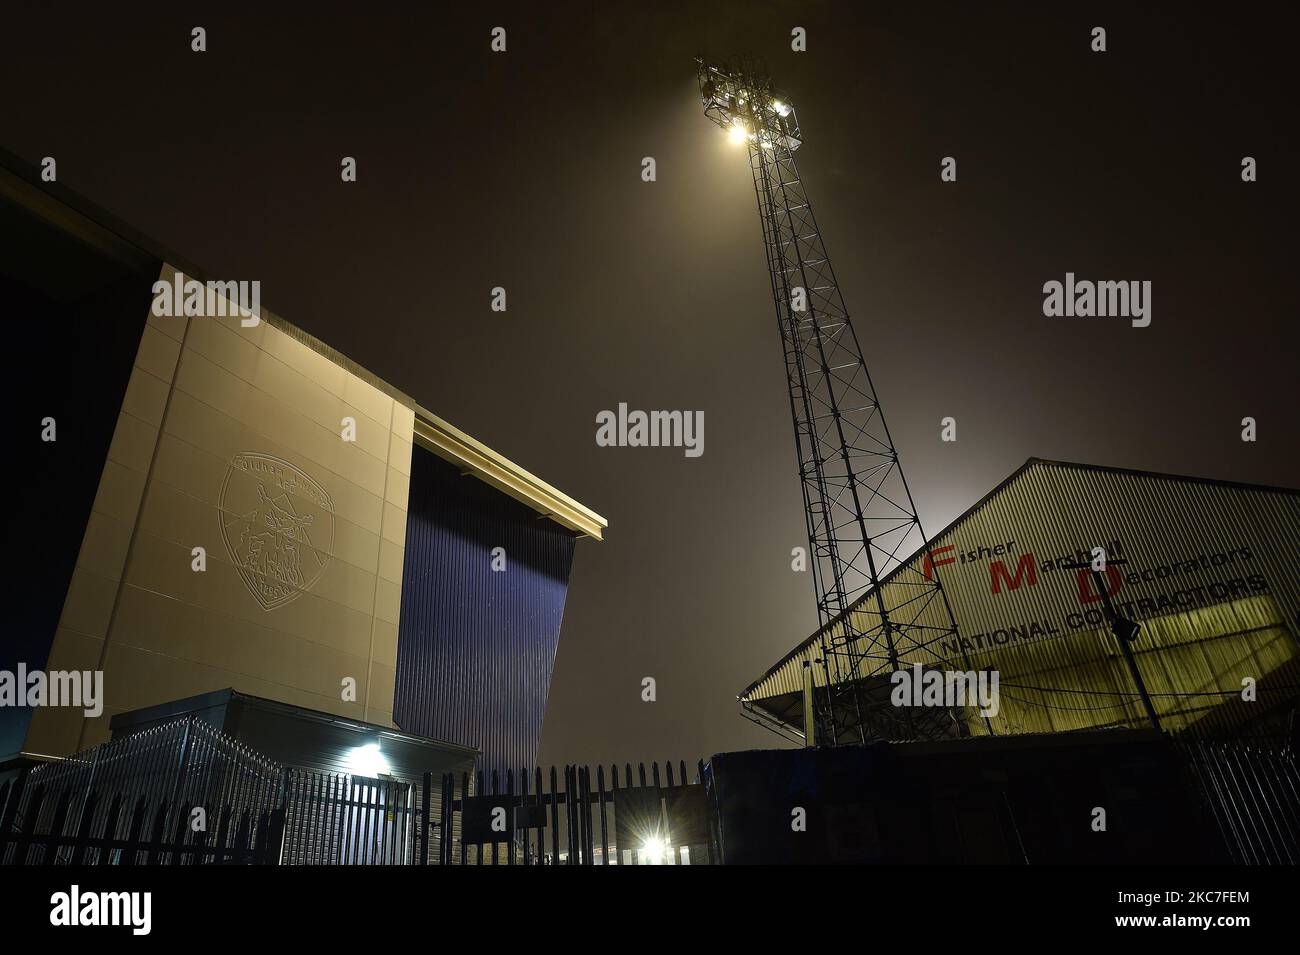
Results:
[444, 817]
[571, 798]
[183, 814]
[54, 837]
[510, 821]
[83, 828]
[159, 832]
[496, 791]
[221, 846]
[464, 793]
[426, 824]
[526, 856]
[539, 855]
[183, 762]
[130, 855]
[276, 825]
[555, 819]
[240, 853]
[613, 795]
[29, 826]
[604, 829]
[587, 817]
[9, 812]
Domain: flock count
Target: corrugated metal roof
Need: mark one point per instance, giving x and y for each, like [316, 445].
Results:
[1212, 565]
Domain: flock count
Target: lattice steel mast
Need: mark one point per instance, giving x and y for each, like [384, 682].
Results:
[860, 516]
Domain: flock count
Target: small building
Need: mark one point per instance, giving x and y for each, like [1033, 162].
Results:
[307, 739]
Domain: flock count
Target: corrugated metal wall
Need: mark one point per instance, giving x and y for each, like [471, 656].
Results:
[1210, 570]
[476, 647]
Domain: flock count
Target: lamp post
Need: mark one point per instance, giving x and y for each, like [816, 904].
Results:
[1126, 632]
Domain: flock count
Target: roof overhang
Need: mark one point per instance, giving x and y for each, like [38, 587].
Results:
[758, 696]
[73, 214]
[453, 445]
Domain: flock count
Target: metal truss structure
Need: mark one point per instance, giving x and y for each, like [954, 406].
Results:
[861, 520]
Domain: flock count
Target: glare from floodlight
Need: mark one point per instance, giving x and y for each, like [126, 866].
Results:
[367, 761]
[780, 107]
[652, 852]
[737, 132]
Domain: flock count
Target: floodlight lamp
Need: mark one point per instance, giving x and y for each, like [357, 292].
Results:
[367, 760]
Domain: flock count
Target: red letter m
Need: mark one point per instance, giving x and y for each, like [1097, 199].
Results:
[1025, 569]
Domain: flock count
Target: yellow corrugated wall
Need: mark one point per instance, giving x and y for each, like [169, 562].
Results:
[1210, 570]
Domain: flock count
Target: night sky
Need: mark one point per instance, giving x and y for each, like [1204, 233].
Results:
[523, 170]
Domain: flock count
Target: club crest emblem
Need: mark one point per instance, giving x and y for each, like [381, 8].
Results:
[278, 525]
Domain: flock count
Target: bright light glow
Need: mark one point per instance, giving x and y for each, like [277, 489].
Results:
[367, 761]
[780, 107]
[737, 132]
[652, 852]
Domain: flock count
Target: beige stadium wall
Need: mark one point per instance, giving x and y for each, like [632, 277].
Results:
[230, 439]
[1193, 651]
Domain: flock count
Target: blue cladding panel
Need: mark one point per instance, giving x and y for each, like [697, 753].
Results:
[476, 647]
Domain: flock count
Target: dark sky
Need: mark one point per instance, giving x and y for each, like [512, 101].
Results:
[523, 170]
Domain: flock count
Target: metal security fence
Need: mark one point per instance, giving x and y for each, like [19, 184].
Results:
[1252, 787]
[339, 819]
[572, 817]
[181, 792]
[186, 794]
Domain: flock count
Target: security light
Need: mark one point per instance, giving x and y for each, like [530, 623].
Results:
[652, 851]
[367, 760]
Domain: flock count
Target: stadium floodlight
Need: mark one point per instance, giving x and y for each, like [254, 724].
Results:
[737, 100]
[860, 516]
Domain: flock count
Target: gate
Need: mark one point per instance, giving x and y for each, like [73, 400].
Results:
[639, 820]
[340, 819]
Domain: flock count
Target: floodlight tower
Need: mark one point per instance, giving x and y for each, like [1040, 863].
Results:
[860, 516]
